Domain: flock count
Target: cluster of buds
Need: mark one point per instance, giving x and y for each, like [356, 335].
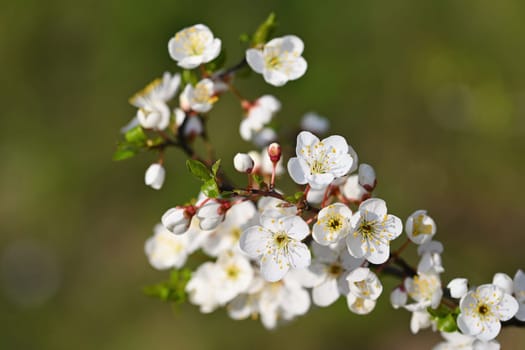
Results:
[270, 255]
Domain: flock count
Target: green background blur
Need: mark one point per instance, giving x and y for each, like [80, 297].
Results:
[431, 93]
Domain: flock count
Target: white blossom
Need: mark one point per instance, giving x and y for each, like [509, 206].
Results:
[153, 112]
[177, 220]
[419, 227]
[194, 46]
[279, 60]
[430, 261]
[503, 281]
[425, 290]
[458, 287]
[315, 123]
[276, 244]
[199, 98]
[333, 223]
[166, 250]
[482, 309]
[353, 191]
[420, 320]
[372, 231]
[226, 235]
[243, 163]
[210, 215]
[458, 341]
[398, 297]
[519, 293]
[259, 114]
[365, 288]
[330, 268]
[318, 163]
[154, 176]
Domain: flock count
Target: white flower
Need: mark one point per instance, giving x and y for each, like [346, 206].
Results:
[430, 253]
[353, 191]
[420, 227]
[279, 61]
[193, 46]
[314, 123]
[177, 219]
[367, 177]
[373, 229]
[199, 98]
[333, 223]
[277, 245]
[259, 114]
[330, 268]
[190, 126]
[243, 163]
[210, 215]
[458, 287]
[214, 284]
[153, 111]
[226, 235]
[503, 281]
[154, 176]
[482, 310]
[458, 341]
[273, 301]
[398, 297]
[419, 320]
[425, 290]
[166, 250]
[365, 288]
[318, 163]
[519, 293]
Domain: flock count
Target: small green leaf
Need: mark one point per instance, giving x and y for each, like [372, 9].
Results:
[265, 30]
[125, 151]
[136, 135]
[172, 290]
[258, 179]
[198, 169]
[215, 167]
[447, 324]
[210, 188]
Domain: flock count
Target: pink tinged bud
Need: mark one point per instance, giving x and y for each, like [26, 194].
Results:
[154, 176]
[274, 151]
[210, 215]
[367, 177]
[458, 287]
[243, 163]
[177, 220]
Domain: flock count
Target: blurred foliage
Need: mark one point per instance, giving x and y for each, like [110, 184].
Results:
[431, 93]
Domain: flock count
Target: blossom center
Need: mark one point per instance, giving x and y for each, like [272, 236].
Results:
[273, 62]
[236, 233]
[232, 272]
[281, 239]
[335, 223]
[483, 310]
[335, 270]
[420, 228]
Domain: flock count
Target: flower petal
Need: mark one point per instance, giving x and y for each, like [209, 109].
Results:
[253, 240]
[326, 293]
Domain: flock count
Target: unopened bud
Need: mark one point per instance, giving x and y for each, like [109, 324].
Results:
[458, 287]
[274, 151]
[367, 177]
[243, 163]
[177, 219]
[154, 176]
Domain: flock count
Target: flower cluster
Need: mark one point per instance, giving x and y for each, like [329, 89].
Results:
[268, 255]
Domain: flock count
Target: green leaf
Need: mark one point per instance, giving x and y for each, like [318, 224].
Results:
[136, 135]
[172, 290]
[215, 167]
[296, 197]
[259, 180]
[210, 188]
[447, 324]
[125, 151]
[264, 31]
[198, 169]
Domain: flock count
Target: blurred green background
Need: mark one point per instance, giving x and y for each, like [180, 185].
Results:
[431, 93]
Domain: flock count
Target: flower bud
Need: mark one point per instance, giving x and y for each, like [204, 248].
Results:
[398, 298]
[210, 215]
[367, 177]
[419, 227]
[503, 281]
[243, 163]
[154, 176]
[352, 190]
[274, 151]
[458, 287]
[177, 219]
[315, 123]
